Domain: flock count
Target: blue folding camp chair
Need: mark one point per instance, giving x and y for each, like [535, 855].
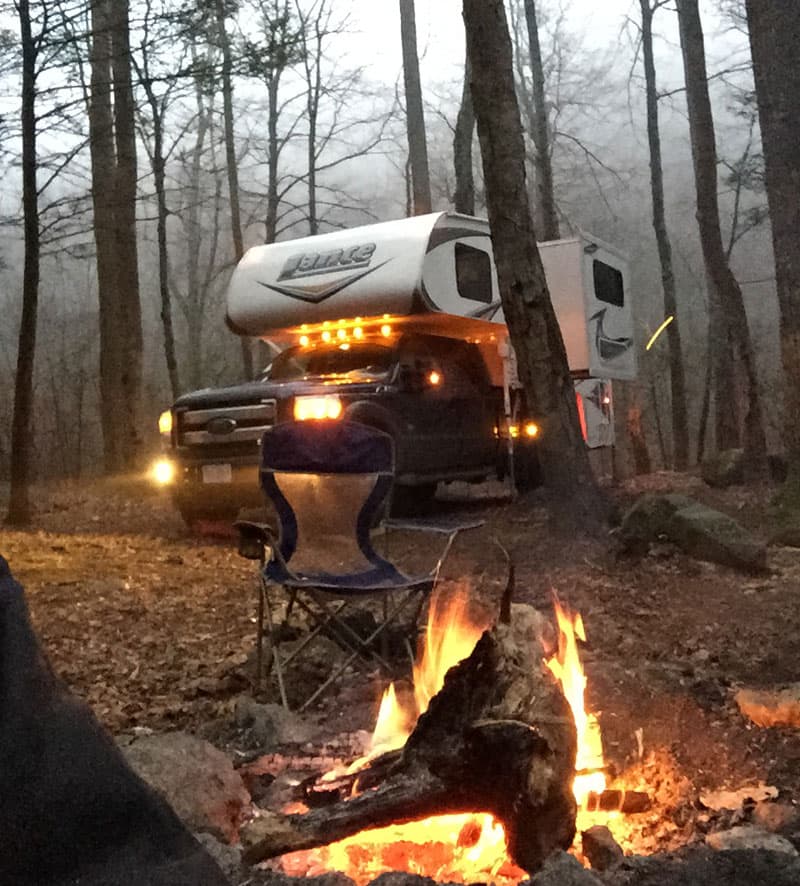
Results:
[329, 483]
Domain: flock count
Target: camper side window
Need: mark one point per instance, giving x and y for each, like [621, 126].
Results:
[608, 286]
[473, 273]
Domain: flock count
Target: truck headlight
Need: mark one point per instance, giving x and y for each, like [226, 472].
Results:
[325, 407]
[162, 472]
[165, 423]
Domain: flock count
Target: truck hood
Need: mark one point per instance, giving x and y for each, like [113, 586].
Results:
[256, 391]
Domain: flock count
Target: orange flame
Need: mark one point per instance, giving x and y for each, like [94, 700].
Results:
[566, 667]
[455, 848]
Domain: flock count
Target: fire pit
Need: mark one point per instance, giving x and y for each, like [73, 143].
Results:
[531, 770]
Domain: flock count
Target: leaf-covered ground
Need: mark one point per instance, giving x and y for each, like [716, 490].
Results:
[153, 626]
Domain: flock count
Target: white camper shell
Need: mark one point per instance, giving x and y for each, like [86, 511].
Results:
[436, 273]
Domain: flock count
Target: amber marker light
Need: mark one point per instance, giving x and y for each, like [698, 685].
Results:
[531, 429]
[434, 378]
[165, 422]
[317, 408]
[162, 472]
[386, 330]
[303, 341]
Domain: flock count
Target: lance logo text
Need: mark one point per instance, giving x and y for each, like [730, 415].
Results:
[309, 264]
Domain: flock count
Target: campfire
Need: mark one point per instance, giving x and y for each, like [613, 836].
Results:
[486, 842]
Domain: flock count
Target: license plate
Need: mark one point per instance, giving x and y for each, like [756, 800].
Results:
[217, 474]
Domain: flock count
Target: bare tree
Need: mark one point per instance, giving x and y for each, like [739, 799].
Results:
[464, 197]
[19, 508]
[774, 28]
[736, 381]
[415, 116]
[532, 323]
[680, 422]
[226, 77]
[546, 202]
[159, 91]
[113, 155]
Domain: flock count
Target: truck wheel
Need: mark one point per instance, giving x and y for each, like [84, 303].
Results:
[527, 471]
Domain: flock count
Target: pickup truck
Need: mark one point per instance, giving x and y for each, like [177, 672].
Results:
[431, 393]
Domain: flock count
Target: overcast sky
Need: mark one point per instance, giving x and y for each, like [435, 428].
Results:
[440, 35]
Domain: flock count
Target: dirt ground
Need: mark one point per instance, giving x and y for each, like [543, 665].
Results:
[153, 626]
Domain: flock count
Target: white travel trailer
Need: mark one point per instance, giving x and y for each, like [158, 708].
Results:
[436, 273]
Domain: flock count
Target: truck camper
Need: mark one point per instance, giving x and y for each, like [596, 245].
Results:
[398, 325]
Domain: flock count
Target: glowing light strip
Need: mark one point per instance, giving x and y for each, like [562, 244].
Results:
[658, 332]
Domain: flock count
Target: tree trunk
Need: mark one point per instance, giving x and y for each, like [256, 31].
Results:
[231, 162]
[532, 323]
[128, 319]
[271, 220]
[158, 163]
[415, 117]
[737, 391]
[19, 508]
[545, 193]
[113, 158]
[680, 421]
[464, 199]
[774, 29]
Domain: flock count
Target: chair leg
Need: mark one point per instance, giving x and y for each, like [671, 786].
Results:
[275, 654]
[260, 636]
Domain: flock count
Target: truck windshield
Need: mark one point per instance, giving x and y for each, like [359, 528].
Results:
[355, 361]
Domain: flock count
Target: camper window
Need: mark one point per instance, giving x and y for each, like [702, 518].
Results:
[608, 286]
[473, 273]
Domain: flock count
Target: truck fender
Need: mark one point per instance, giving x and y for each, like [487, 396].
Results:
[373, 416]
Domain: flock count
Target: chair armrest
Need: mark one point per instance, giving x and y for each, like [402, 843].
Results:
[254, 538]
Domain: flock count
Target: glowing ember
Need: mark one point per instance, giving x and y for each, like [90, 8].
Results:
[567, 668]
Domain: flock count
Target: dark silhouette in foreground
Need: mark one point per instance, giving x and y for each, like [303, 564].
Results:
[72, 813]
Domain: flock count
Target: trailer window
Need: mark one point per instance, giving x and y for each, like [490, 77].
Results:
[473, 273]
[608, 286]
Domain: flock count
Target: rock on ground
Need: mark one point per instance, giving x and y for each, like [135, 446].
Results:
[600, 847]
[725, 468]
[197, 780]
[562, 869]
[271, 725]
[749, 837]
[771, 707]
[704, 867]
[697, 530]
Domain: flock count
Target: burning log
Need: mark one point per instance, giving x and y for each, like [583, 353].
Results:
[499, 737]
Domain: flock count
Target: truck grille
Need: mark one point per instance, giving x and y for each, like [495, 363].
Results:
[225, 426]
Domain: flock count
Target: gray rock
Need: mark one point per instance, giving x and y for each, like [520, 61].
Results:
[228, 858]
[749, 837]
[271, 725]
[696, 529]
[196, 779]
[701, 866]
[710, 535]
[724, 468]
[600, 847]
[776, 817]
[562, 869]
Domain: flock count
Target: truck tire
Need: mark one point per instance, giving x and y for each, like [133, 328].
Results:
[527, 470]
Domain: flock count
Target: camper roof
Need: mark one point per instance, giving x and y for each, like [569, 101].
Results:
[366, 272]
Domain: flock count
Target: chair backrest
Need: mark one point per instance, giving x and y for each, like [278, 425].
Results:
[328, 481]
